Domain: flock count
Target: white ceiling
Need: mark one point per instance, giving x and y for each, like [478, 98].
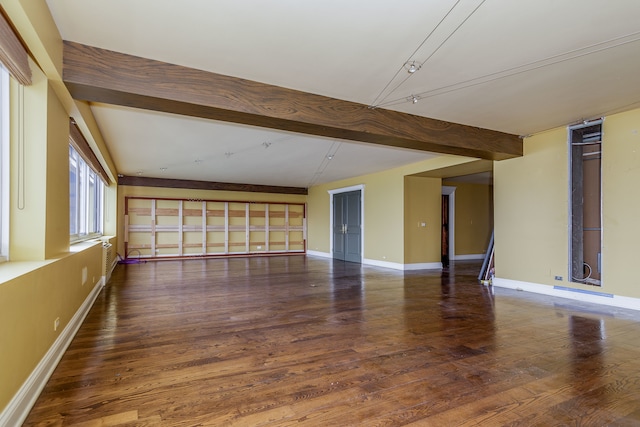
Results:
[162, 145]
[515, 66]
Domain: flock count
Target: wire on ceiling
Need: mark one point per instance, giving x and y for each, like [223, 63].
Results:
[530, 66]
[331, 152]
[376, 103]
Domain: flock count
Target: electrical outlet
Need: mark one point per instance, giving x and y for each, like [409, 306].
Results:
[84, 275]
[56, 323]
[259, 247]
[559, 278]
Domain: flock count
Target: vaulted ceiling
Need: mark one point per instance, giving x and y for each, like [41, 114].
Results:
[512, 67]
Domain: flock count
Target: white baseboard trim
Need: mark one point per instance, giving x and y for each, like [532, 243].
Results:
[319, 254]
[18, 408]
[571, 293]
[424, 266]
[469, 257]
[385, 264]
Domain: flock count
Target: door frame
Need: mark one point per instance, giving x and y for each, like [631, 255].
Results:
[360, 188]
[451, 192]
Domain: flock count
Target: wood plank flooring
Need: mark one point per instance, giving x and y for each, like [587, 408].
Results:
[285, 341]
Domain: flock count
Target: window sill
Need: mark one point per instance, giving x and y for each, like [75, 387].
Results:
[92, 237]
[81, 245]
[10, 270]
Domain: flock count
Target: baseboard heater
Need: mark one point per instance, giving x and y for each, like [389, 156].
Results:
[109, 261]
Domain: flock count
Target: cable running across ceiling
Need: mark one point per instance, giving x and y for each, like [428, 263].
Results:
[374, 103]
[331, 153]
[530, 66]
[413, 98]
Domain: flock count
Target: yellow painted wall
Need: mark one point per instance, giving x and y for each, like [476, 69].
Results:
[28, 189]
[473, 217]
[111, 212]
[43, 280]
[422, 205]
[41, 153]
[621, 204]
[384, 205]
[383, 218]
[531, 209]
[57, 172]
[180, 193]
[318, 219]
[29, 304]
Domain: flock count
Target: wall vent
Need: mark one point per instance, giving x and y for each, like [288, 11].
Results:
[109, 261]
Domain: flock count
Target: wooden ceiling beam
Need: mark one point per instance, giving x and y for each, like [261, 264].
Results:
[141, 181]
[98, 75]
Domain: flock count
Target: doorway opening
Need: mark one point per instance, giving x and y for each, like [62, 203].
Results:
[447, 249]
[444, 245]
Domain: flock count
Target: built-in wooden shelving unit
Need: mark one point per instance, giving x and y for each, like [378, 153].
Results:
[156, 228]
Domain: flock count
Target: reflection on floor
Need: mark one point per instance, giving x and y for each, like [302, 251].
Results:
[309, 341]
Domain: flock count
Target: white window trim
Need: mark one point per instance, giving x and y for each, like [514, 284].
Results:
[83, 198]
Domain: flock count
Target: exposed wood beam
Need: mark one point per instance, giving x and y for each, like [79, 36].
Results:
[141, 181]
[98, 75]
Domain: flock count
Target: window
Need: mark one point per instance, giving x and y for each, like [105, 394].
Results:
[4, 163]
[585, 202]
[86, 191]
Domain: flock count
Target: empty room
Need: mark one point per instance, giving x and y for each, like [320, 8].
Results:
[319, 213]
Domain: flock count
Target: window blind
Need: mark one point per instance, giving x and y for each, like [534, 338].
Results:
[78, 141]
[12, 53]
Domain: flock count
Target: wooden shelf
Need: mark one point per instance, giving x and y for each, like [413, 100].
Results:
[156, 228]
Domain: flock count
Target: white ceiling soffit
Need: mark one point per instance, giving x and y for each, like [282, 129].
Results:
[484, 178]
[512, 66]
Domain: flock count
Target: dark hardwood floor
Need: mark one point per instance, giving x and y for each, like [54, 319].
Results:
[285, 341]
